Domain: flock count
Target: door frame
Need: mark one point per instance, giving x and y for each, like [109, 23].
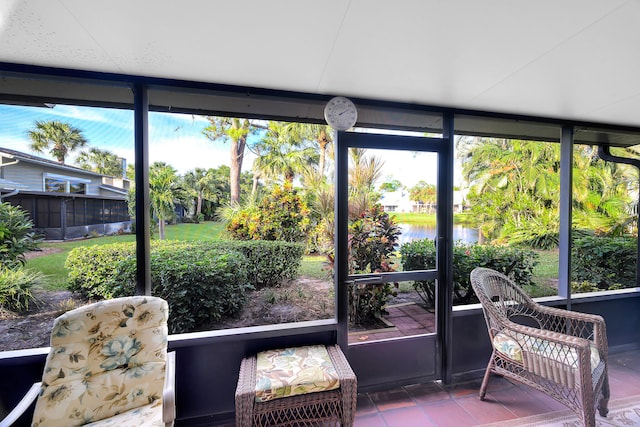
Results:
[440, 369]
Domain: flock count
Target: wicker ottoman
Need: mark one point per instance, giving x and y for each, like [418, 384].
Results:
[326, 408]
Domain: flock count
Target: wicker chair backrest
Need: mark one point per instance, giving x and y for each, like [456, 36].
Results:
[502, 300]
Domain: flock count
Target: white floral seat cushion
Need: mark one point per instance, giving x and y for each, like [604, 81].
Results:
[149, 416]
[105, 359]
[293, 371]
[509, 347]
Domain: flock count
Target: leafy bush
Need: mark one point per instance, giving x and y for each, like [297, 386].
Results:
[281, 215]
[373, 237]
[15, 288]
[605, 262]
[516, 263]
[16, 235]
[201, 285]
[94, 269]
[202, 281]
[268, 262]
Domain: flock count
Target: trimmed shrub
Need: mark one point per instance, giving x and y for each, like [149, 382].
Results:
[201, 285]
[269, 263]
[15, 288]
[93, 269]
[202, 281]
[603, 262]
[516, 263]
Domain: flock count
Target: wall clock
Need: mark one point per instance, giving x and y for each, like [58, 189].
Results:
[340, 113]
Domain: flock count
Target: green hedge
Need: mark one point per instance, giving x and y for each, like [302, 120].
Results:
[602, 263]
[516, 263]
[269, 262]
[202, 281]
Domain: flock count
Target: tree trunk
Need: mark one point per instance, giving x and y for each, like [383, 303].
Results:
[322, 142]
[254, 187]
[161, 228]
[237, 155]
[199, 205]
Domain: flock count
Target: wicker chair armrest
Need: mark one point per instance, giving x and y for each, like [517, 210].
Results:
[514, 330]
[168, 392]
[575, 318]
[572, 315]
[22, 406]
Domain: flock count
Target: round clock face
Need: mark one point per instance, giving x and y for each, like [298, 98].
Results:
[340, 113]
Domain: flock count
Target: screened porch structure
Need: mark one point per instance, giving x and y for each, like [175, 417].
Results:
[460, 69]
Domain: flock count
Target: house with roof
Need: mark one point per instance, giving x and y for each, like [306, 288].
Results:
[63, 201]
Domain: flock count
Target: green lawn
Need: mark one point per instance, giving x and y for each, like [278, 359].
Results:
[53, 265]
[312, 265]
[414, 218]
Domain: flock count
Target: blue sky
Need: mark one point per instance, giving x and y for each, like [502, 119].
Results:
[176, 139]
[173, 138]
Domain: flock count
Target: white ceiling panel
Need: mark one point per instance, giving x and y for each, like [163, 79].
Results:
[570, 59]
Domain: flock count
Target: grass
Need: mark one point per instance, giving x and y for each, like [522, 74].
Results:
[414, 218]
[53, 265]
[314, 266]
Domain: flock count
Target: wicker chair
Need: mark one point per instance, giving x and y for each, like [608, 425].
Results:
[559, 352]
[324, 408]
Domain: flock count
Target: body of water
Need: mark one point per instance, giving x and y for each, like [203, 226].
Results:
[411, 232]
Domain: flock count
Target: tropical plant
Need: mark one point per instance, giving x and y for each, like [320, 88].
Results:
[101, 161]
[364, 172]
[16, 236]
[281, 215]
[57, 137]
[203, 184]
[16, 286]
[373, 238]
[163, 193]
[515, 186]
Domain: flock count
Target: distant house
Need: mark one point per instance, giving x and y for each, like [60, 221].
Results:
[65, 202]
[398, 201]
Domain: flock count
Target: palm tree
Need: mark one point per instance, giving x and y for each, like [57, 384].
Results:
[237, 131]
[515, 185]
[163, 192]
[364, 172]
[60, 138]
[283, 154]
[204, 185]
[322, 135]
[100, 161]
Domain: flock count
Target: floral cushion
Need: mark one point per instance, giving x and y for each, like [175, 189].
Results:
[106, 359]
[148, 415]
[509, 347]
[292, 371]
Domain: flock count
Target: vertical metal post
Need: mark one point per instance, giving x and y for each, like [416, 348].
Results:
[141, 136]
[566, 202]
[444, 250]
[341, 229]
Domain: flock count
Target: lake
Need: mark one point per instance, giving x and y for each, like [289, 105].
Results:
[411, 232]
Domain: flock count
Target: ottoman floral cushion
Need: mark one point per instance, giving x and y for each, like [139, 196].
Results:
[293, 371]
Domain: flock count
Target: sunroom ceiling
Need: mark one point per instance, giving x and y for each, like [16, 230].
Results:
[568, 60]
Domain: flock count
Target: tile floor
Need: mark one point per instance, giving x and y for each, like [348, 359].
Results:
[431, 404]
